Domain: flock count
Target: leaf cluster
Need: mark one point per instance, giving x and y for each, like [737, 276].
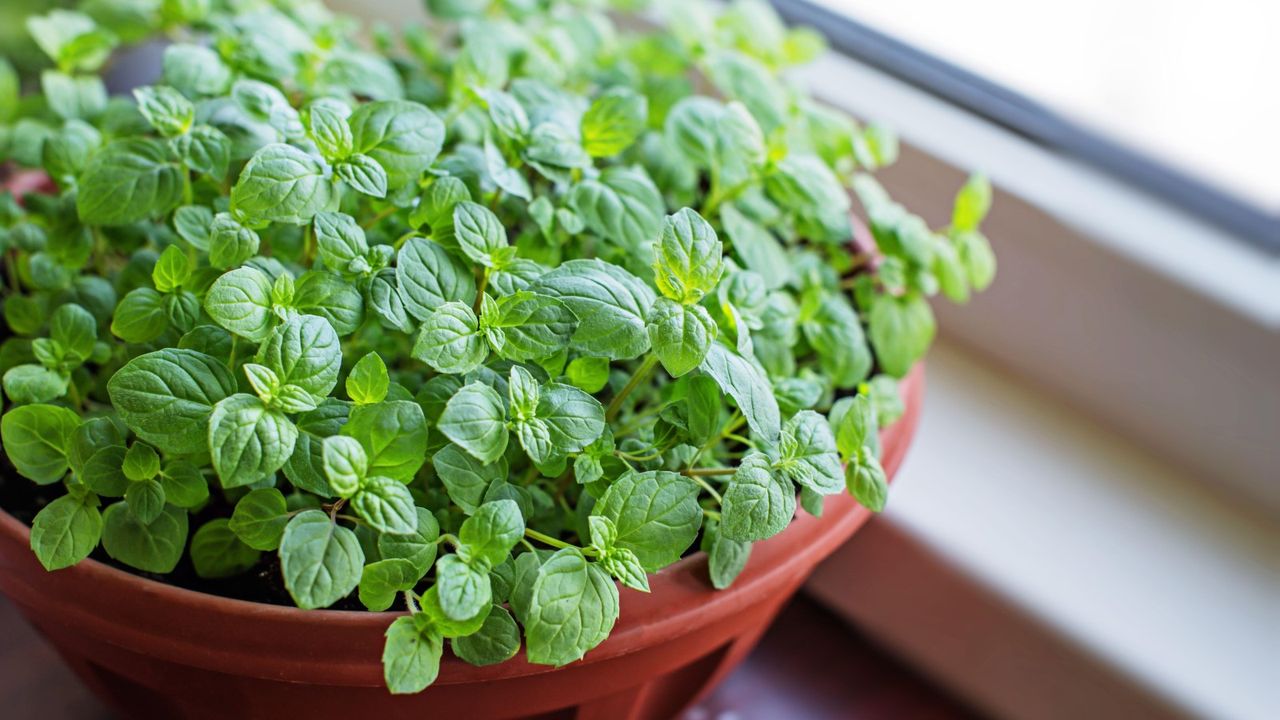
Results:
[479, 324]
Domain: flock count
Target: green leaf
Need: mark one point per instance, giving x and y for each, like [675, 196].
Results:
[394, 435]
[172, 269]
[497, 640]
[381, 580]
[328, 296]
[807, 454]
[166, 109]
[282, 184]
[573, 607]
[140, 316]
[610, 304]
[217, 552]
[184, 485]
[195, 70]
[450, 340]
[418, 547]
[566, 421]
[725, 558]
[127, 181]
[386, 505]
[260, 518]
[589, 374]
[978, 259]
[339, 240]
[757, 503]
[34, 384]
[411, 658]
[403, 137]
[681, 335]
[73, 40]
[304, 351]
[103, 472]
[154, 547]
[166, 397]
[475, 420]
[368, 381]
[689, 263]
[835, 332]
[973, 202]
[464, 477]
[345, 464]
[867, 482]
[141, 463]
[464, 591]
[326, 121]
[230, 243]
[305, 468]
[321, 560]
[758, 249]
[532, 326]
[478, 232]
[248, 441]
[854, 422]
[656, 515]
[901, 330]
[622, 206]
[363, 174]
[429, 277]
[746, 383]
[73, 97]
[240, 301]
[614, 121]
[488, 536]
[65, 531]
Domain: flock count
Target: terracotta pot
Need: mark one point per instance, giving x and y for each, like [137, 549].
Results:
[153, 650]
[157, 651]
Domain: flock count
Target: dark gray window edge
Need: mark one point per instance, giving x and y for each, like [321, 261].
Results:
[1037, 123]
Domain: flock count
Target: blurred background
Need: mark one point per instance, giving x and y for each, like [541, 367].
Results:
[1089, 522]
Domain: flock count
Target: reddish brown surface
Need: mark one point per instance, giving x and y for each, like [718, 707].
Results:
[160, 651]
[809, 666]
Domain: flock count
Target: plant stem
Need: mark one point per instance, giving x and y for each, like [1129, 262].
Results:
[382, 215]
[707, 486]
[711, 514]
[481, 284]
[642, 372]
[554, 542]
[708, 472]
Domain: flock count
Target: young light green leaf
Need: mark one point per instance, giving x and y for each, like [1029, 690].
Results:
[490, 533]
[531, 326]
[380, 581]
[230, 243]
[321, 560]
[339, 239]
[478, 232]
[403, 137]
[807, 454]
[326, 121]
[725, 558]
[418, 547]
[464, 591]
[867, 482]
[901, 330]
[368, 381]
[623, 206]
[328, 296]
[681, 335]
[141, 462]
[614, 121]
[140, 317]
[973, 202]
[363, 174]
[689, 263]
[345, 464]
[166, 109]
[429, 277]
[172, 269]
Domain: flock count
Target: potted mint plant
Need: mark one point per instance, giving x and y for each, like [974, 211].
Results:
[492, 359]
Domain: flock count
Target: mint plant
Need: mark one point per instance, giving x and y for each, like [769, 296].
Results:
[476, 329]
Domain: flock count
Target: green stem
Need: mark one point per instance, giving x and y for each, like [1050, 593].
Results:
[382, 215]
[642, 372]
[707, 486]
[708, 472]
[555, 542]
[734, 422]
[711, 514]
[481, 284]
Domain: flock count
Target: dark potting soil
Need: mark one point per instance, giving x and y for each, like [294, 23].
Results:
[22, 499]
